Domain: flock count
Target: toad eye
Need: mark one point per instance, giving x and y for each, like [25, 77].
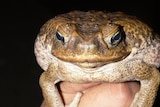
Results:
[59, 37]
[115, 39]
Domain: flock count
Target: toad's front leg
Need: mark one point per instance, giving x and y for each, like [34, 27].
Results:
[149, 81]
[52, 98]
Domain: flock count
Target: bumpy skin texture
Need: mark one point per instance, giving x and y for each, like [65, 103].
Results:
[96, 46]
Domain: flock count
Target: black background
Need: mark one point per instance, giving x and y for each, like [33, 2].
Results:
[20, 22]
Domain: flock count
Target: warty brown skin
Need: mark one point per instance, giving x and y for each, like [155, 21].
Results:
[97, 46]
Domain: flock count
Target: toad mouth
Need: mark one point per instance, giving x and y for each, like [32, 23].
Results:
[91, 65]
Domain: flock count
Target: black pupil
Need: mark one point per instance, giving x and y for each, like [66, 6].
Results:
[59, 37]
[117, 37]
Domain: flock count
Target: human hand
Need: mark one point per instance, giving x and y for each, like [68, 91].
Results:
[100, 94]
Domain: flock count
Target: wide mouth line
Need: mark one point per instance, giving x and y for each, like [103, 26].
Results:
[90, 64]
[90, 61]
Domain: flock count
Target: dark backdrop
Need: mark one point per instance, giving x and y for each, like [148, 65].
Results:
[20, 22]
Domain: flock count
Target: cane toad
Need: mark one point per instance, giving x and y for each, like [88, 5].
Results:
[95, 46]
